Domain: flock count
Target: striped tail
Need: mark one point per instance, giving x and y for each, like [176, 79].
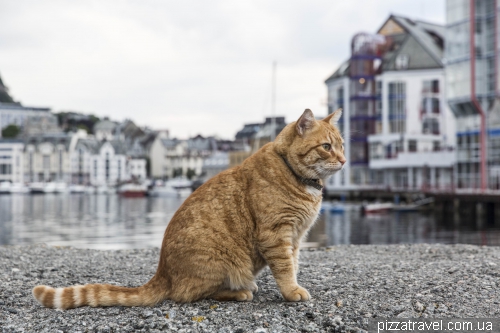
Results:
[98, 295]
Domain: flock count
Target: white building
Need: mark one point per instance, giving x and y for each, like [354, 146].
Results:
[16, 114]
[47, 158]
[11, 161]
[397, 126]
[172, 158]
[106, 130]
[104, 163]
[137, 168]
[215, 163]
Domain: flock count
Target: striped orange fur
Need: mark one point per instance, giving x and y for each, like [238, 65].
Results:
[234, 225]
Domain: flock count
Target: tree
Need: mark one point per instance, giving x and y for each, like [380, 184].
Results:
[177, 172]
[10, 131]
[83, 127]
[190, 173]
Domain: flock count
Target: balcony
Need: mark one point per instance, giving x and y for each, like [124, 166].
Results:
[441, 159]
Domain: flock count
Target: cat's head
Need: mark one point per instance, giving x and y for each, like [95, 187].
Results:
[314, 148]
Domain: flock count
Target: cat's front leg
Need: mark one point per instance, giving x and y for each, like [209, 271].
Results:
[279, 255]
[296, 251]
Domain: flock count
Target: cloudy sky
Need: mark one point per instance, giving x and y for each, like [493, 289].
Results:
[189, 66]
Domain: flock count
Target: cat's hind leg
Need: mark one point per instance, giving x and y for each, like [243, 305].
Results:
[233, 295]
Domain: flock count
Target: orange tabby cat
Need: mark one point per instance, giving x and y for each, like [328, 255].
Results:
[229, 229]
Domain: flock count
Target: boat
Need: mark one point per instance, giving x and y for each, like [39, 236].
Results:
[413, 207]
[334, 208]
[5, 187]
[377, 207]
[19, 188]
[131, 190]
[103, 189]
[42, 188]
[61, 187]
[175, 188]
[77, 189]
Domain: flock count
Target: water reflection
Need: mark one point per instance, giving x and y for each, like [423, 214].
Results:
[351, 227]
[101, 222]
[113, 222]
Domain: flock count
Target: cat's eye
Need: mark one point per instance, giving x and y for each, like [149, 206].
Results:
[327, 146]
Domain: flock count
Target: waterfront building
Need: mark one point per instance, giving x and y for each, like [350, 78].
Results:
[108, 163]
[253, 137]
[399, 131]
[104, 162]
[172, 158]
[11, 160]
[47, 158]
[472, 90]
[215, 163]
[106, 130]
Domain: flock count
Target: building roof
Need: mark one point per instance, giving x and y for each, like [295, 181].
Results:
[169, 143]
[53, 138]
[18, 106]
[94, 146]
[105, 125]
[248, 131]
[90, 144]
[11, 141]
[422, 42]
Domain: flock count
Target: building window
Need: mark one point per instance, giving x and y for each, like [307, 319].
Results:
[340, 104]
[95, 169]
[430, 86]
[46, 162]
[5, 169]
[376, 151]
[430, 126]
[402, 61]
[412, 145]
[60, 163]
[107, 169]
[30, 162]
[397, 107]
[119, 169]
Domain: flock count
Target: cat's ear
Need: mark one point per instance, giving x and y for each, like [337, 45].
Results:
[333, 118]
[305, 122]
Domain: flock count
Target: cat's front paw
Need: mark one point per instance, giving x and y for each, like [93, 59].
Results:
[296, 294]
[253, 287]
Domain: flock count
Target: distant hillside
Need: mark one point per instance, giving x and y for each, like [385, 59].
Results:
[4, 94]
[71, 121]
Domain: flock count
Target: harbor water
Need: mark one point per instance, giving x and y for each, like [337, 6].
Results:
[113, 222]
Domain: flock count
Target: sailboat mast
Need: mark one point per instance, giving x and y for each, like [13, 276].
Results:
[273, 114]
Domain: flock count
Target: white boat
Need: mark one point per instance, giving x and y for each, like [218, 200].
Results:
[77, 189]
[90, 189]
[5, 187]
[61, 187]
[413, 207]
[111, 190]
[19, 188]
[377, 207]
[101, 189]
[42, 188]
[131, 190]
[175, 188]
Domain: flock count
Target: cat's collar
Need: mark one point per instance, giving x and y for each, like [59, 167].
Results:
[307, 181]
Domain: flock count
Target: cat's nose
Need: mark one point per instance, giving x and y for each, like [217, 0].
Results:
[342, 160]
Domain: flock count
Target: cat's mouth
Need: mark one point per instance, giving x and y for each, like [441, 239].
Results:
[327, 171]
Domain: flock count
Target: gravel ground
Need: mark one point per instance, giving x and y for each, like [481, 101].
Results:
[348, 284]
